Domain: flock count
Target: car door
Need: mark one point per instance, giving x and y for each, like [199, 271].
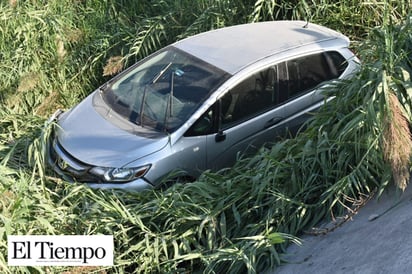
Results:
[303, 78]
[249, 115]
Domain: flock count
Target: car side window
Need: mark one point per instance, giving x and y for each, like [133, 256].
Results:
[305, 73]
[253, 96]
[337, 63]
[205, 124]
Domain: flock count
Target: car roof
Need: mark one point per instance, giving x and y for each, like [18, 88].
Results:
[232, 48]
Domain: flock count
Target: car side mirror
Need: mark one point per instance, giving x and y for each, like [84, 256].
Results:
[220, 136]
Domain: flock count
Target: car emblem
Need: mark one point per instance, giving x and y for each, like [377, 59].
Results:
[62, 164]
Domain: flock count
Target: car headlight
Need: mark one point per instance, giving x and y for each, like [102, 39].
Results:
[120, 174]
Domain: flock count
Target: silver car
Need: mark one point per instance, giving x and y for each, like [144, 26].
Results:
[198, 104]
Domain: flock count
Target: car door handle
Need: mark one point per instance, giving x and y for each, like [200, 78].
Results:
[273, 122]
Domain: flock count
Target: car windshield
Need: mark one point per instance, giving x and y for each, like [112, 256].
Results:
[164, 90]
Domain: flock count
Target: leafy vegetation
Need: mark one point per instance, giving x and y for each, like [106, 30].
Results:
[54, 53]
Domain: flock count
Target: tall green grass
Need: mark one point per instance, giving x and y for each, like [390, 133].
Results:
[54, 53]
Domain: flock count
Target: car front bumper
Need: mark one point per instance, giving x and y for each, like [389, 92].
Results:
[73, 170]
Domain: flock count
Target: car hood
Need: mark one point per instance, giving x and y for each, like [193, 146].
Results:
[90, 138]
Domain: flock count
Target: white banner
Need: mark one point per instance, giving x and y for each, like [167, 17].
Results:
[60, 250]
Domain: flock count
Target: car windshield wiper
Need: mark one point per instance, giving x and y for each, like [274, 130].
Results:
[160, 73]
[153, 81]
[169, 105]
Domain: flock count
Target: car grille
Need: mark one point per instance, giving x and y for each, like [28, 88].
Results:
[69, 167]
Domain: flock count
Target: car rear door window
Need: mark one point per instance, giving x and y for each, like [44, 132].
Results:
[305, 73]
[301, 82]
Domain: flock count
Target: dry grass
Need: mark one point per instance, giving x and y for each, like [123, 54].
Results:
[114, 65]
[29, 81]
[397, 142]
[13, 3]
[50, 104]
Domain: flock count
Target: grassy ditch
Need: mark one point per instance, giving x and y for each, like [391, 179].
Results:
[239, 220]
